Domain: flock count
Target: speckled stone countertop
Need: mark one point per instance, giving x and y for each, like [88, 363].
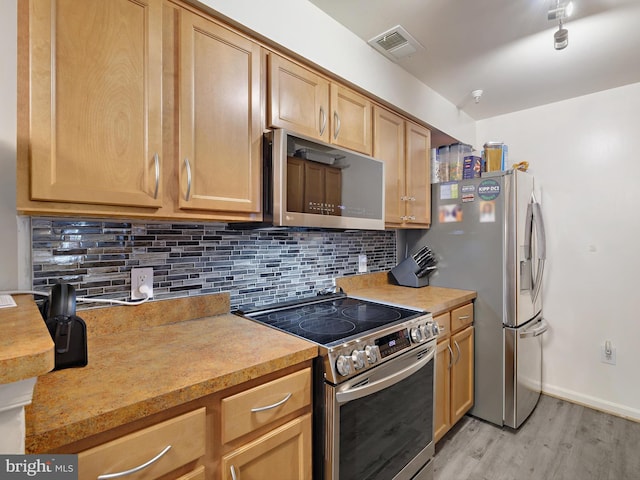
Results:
[376, 286]
[26, 348]
[139, 366]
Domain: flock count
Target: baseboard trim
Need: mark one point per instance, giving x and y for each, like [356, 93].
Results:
[588, 401]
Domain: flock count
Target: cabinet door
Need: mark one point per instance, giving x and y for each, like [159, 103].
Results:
[298, 99]
[220, 126]
[282, 453]
[442, 422]
[388, 146]
[462, 374]
[95, 79]
[418, 175]
[350, 119]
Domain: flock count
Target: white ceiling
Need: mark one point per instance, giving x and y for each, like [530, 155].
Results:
[505, 47]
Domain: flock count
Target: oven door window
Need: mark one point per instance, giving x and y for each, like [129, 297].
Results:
[382, 432]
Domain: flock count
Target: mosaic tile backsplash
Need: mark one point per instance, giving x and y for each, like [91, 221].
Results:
[256, 267]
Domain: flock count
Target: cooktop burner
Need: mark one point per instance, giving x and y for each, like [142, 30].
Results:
[330, 321]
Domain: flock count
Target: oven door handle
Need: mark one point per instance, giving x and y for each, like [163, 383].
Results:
[374, 387]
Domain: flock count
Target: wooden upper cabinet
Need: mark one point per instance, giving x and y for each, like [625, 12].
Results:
[298, 99]
[405, 149]
[350, 119]
[418, 176]
[306, 103]
[95, 101]
[220, 118]
[388, 146]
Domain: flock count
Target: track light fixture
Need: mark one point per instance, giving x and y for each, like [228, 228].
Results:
[560, 10]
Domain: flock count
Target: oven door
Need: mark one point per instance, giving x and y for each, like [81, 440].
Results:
[380, 424]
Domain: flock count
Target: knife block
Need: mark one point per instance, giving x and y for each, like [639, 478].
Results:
[405, 274]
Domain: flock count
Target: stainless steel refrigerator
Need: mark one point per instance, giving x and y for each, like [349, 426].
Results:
[488, 236]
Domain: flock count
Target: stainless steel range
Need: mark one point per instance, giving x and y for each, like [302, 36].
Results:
[373, 388]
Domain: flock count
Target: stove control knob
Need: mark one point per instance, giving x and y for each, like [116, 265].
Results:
[372, 353]
[426, 331]
[416, 335]
[358, 356]
[435, 329]
[343, 366]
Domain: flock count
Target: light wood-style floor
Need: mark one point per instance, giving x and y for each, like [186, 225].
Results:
[559, 441]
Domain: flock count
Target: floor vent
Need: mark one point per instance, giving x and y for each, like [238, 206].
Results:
[395, 43]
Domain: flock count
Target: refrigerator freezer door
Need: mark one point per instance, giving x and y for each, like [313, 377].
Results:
[523, 370]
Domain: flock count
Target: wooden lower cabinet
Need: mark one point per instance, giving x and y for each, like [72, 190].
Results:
[283, 453]
[260, 429]
[265, 431]
[442, 421]
[454, 368]
[462, 374]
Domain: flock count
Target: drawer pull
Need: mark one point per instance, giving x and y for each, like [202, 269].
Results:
[233, 473]
[269, 407]
[464, 317]
[135, 469]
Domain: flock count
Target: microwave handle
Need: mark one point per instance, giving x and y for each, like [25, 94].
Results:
[374, 387]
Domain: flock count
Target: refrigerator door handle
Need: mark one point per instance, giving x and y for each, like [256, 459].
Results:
[535, 332]
[540, 233]
[541, 248]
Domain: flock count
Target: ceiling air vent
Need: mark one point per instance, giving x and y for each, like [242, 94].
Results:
[395, 43]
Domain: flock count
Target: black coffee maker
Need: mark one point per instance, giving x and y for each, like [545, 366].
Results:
[68, 331]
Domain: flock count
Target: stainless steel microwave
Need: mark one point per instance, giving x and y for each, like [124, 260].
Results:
[311, 184]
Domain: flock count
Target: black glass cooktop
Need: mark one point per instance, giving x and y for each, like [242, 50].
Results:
[331, 320]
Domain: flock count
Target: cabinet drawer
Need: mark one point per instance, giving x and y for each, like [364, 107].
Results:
[461, 317]
[184, 434]
[444, 324]
[246, 411]
[197, 474]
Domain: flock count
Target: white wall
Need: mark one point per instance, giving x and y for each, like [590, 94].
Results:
[584, 153]
[10, 246]
[304, 29]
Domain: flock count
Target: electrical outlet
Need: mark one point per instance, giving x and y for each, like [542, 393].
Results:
[608, 353]
[140, 277]
[362, 264]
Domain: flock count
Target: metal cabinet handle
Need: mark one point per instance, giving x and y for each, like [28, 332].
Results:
[463, 317]
[459, 352]
[135, 469]
[269, 407]
[450, 357]
[188, 165]
[233, 473]
[336, 119]
[156, 160]
[323, 120]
